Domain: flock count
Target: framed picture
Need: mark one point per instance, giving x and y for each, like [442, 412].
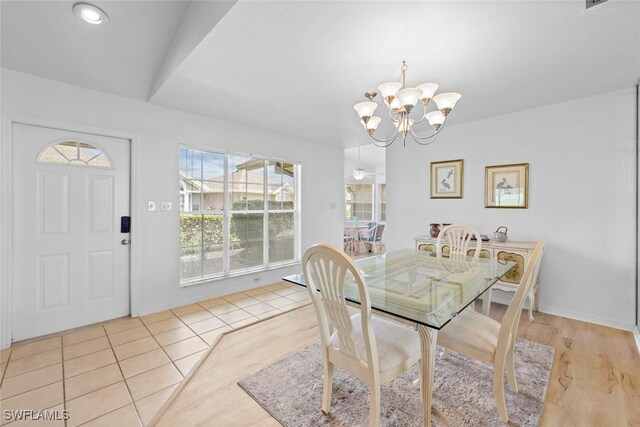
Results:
[446, 179]
[506, 186]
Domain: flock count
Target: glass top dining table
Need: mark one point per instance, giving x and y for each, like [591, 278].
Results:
[418, 287]
[426, 291]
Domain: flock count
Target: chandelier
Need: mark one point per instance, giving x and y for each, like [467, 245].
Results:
[400, 101]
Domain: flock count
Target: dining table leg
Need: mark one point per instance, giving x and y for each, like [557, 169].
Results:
[428, 338]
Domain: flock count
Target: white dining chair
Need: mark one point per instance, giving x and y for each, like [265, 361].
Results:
[371, 348]
[372, 238]
[459, 238]
[482, 338]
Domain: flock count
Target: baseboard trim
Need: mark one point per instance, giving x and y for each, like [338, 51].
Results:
[636, 335]
[504, 299]
[203, 297]
[586, 318]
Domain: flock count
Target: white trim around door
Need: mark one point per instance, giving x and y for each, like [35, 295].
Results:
[7, 220]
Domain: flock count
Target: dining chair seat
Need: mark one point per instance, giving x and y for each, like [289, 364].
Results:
[473, 334]
[398, 347]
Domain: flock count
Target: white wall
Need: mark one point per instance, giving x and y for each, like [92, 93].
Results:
[158, 131]
[581, 197]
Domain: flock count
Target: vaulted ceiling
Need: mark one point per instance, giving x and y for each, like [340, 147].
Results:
[298, 67]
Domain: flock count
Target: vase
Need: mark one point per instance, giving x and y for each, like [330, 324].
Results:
[435, 230]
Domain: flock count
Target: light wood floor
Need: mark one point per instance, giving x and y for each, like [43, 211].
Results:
[594, 382]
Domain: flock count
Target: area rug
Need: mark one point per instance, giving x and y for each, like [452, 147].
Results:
[291, 391]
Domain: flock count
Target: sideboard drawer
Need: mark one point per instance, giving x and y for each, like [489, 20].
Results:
[514, 276]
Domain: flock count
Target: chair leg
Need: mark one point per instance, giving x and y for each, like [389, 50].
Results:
[498, 386]
[326, 390]
[374, 408]
[486, 302]
[532, 301]
[511, 369]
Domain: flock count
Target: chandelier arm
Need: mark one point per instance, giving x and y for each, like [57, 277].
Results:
[416, 137]
[424, 112]
[434, 136]
[383, 145]
[387, 141]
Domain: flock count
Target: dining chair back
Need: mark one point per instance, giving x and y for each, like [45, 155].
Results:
[459, 237]
[349, 341]
[511, 319]
[325, 270]
[482, 338]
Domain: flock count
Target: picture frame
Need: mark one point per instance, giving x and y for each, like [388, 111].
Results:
[447, 179]
[506, 186]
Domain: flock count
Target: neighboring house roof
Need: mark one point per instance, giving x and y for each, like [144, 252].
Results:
[237, 182]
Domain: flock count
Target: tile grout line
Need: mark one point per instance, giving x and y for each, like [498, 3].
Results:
[123, 380]
[107, 413]
[253, 318]
[35, 388]
[111, 347]
[118, 361]
[170, 361]
[88, 354]
[31, 370]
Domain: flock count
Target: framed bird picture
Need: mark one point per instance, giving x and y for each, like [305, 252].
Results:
[506, 186]
[446, 179]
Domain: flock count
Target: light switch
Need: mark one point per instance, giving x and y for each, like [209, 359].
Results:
[151, 206]
[165, 206]
[333, 205]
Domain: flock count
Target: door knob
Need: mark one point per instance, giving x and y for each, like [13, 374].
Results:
[125, 242]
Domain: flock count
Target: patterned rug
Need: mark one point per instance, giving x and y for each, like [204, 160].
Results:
[291, 391]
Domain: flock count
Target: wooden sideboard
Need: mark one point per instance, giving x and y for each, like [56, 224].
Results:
[518, 252]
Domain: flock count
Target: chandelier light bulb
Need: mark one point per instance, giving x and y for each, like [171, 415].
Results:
[365, 109]
[372, 124]
[446, 101]
[389, 90]
[436, 119]
[428, 89]
[395, 106]
[403, 125]
[409, 96]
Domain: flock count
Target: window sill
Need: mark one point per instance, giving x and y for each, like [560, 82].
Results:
[232, 274]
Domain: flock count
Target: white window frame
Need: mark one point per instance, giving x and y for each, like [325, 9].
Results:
[227, 212]
[373, 201]
[381, 202]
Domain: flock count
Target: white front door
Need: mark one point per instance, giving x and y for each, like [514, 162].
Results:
[71, 266]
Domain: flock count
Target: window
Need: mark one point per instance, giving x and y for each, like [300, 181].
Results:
[238, 213]
[359, 202]
[74, 153]
[383, 202]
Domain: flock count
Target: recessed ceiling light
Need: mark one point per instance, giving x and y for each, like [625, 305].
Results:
[89, 13]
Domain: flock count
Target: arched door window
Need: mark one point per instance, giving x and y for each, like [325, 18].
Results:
[73, 152]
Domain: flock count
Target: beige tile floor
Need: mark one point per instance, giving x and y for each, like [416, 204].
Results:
[121, 372]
